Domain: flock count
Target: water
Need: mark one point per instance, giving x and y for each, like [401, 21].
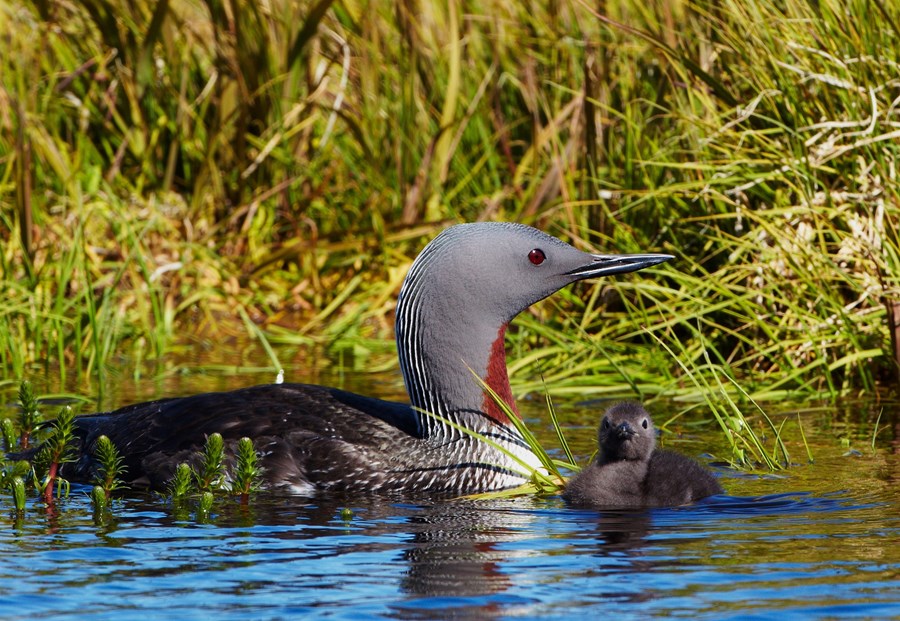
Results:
[798, 555]
[821, 541]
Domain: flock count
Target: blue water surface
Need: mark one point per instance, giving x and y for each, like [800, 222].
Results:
[794, 555]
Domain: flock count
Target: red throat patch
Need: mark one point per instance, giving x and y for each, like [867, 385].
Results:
[498, 379]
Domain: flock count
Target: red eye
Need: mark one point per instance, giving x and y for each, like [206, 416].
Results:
[536, 256]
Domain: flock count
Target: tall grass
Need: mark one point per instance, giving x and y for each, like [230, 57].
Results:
[165, 164]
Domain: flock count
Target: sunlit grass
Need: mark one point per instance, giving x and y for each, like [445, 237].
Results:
[722, 399]
[159, 176]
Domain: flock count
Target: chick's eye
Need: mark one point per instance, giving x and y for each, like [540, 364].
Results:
[605, 424]
[644, 423]
[536, 256]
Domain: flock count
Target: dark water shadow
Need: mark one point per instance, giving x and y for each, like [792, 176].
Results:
[784, 503]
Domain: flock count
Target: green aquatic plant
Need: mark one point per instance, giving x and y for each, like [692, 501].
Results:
[17, 487]
[247, 473]
[110, 469]
[8, 470]
[204, 506]
[29, 415]
[210, 473]
[8, 433]
[12, 479]
[182, 483]
[99, 499]
[56, 450]
[213, 476]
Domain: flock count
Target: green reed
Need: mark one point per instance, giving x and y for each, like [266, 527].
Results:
[722, 399]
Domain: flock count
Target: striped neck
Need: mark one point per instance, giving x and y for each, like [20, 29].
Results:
[443, 342]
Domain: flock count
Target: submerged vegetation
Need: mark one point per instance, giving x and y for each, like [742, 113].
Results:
[273, 168]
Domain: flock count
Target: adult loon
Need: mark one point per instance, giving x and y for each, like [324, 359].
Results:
[452, 312]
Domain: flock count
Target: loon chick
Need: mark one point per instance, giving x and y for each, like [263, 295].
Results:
[460, 294]
[631, 472]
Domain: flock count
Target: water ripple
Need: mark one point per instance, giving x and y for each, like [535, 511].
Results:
[797, 555]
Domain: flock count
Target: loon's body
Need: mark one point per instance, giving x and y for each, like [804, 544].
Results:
[310, 438]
